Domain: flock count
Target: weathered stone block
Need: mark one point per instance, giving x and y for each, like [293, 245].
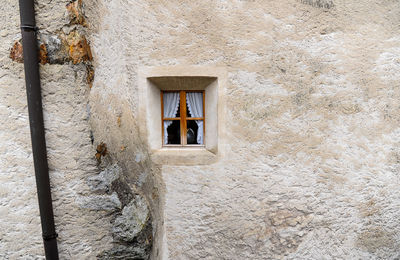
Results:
[79, 49]
[57, 51]
[75, 12]
[319, 3]
[43, 58]
[101, 150]
[89, 75]
[100, 202]
[102, 182]
[16, 53]
[124, 252]
[132, 221]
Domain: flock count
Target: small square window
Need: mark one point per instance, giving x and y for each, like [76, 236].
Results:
[183, 118]
[183, 113]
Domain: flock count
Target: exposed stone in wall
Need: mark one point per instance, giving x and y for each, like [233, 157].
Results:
[56, 49]
[319, 3]
[101, 150]
[119, 131]
[43, 58]
[131, 225]
[311, 123]
[59, 49]
[132, 231]
[89, 75]
[16, 53]
[121, 251]
[101, 202]
[68, 43]
[103, 181]
[313, 130]
[76, 12]
[79, 49]
[84, 212]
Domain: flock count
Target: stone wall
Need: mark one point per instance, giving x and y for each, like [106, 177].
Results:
[97, 213]
[312, 160]
[312, 125]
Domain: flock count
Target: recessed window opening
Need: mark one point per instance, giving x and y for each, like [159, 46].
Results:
[183, 121]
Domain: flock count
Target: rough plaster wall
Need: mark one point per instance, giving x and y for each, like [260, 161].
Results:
[82, 233]
[113, 103]
[18, 206]
[313, 92]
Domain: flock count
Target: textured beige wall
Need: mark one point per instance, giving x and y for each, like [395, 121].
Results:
[82, 233]
[312, 123]
[311, 170]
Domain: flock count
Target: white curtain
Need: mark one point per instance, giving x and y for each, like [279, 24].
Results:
[171, 104]
[195, 104]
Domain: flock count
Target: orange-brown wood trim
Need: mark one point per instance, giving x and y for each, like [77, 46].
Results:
[194, 118]
[171, 118]
[183, 90]
[162, 117]
[204, 116]
[183, 117]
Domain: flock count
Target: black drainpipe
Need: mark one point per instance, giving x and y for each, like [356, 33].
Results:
[32, 80]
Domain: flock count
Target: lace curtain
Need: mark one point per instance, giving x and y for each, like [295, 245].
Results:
[194, 101]
[171, 104]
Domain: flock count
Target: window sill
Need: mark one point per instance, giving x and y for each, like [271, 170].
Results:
[183, 156]
[183, 146]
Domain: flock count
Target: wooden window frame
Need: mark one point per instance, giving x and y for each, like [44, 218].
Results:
[183, 119]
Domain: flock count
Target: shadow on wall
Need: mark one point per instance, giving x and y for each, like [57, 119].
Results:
[129, 181]
[127, 187]
[131, 221]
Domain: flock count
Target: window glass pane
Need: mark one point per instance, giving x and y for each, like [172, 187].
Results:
[171, 104]
[178, 112]
[172, 132]
[195, 131]
[187, 110]
[194, 104]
